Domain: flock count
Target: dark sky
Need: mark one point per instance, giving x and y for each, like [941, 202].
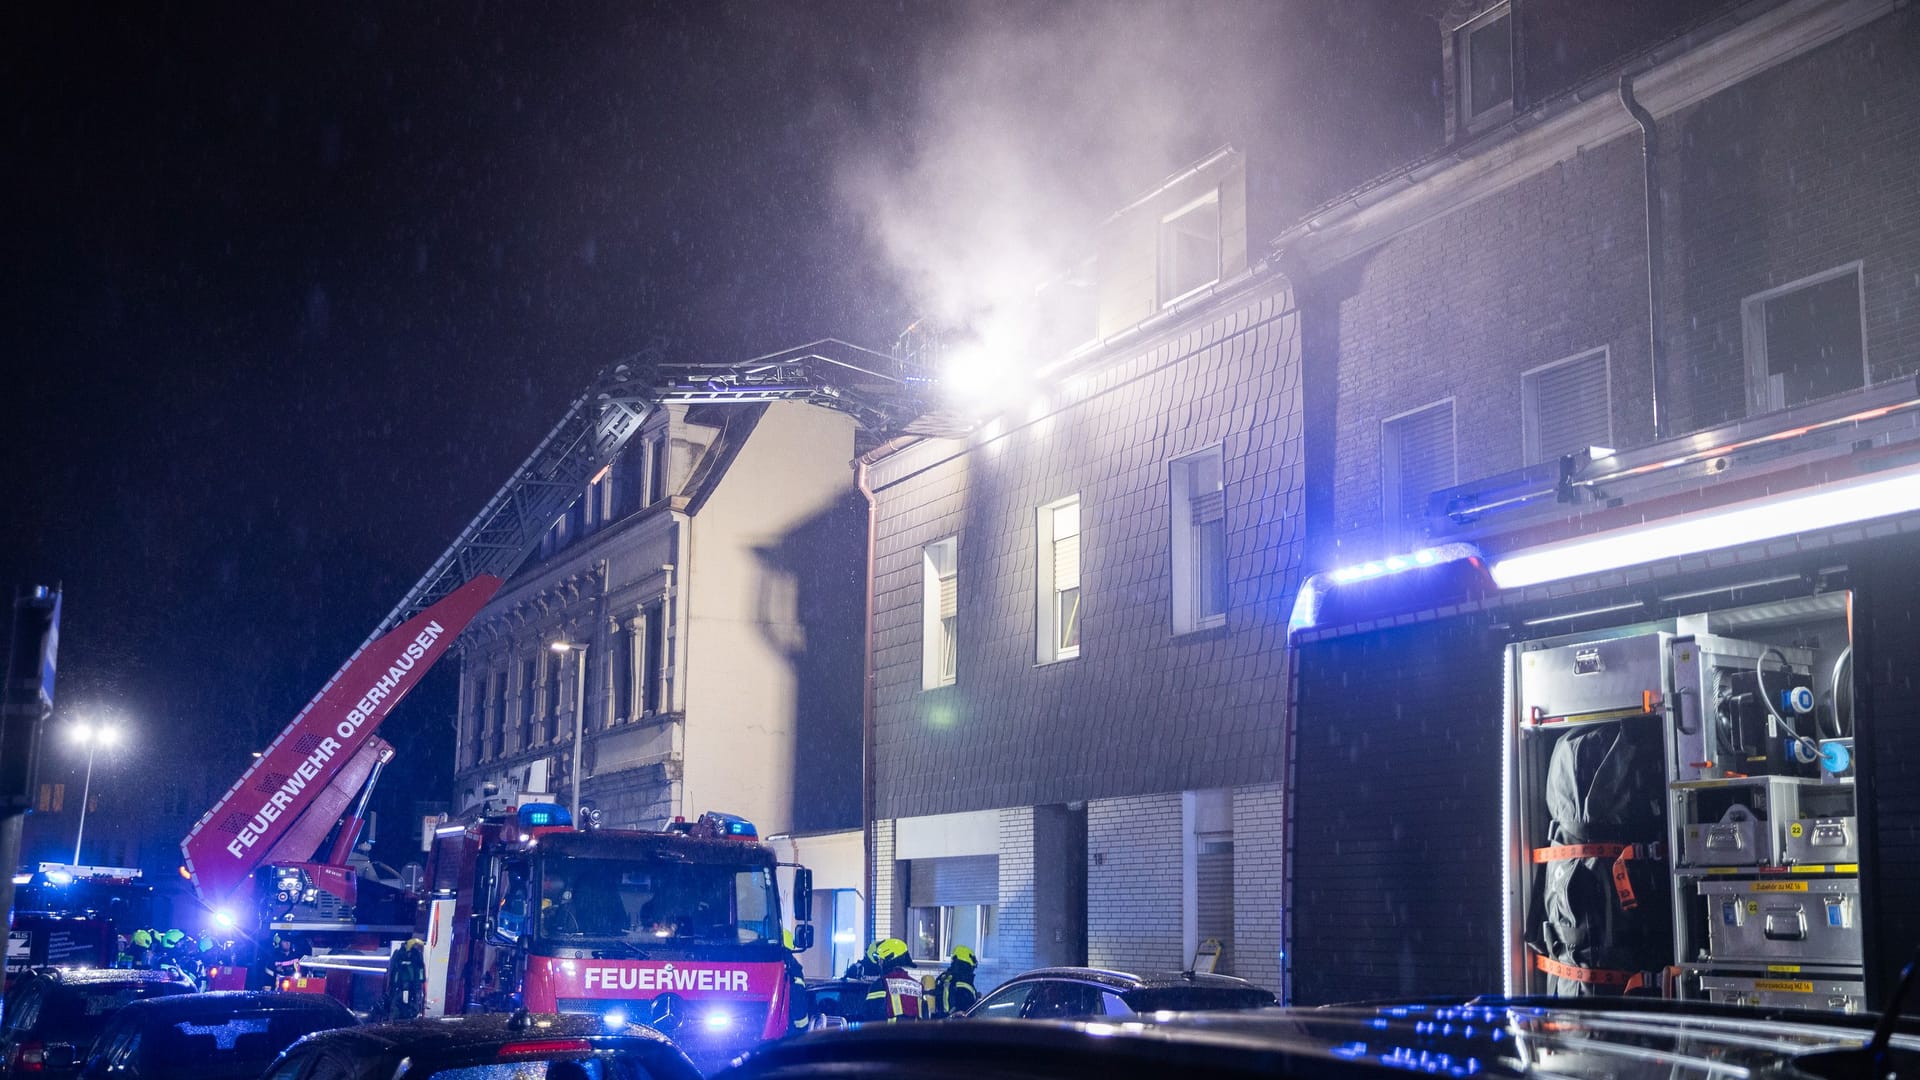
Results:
[288, 289]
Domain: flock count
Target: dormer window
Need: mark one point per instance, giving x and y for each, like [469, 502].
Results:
[1483, 68]
[1190, 248]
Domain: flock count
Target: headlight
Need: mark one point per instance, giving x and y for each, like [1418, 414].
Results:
[717, 1020]
[615, 1018]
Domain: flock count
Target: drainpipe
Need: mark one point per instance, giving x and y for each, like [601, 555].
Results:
[868, 798]
[1650, 169]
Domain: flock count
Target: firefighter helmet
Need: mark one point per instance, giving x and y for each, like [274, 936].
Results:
[142, 939]
[891, 949]
[964, 955]
[172, 938]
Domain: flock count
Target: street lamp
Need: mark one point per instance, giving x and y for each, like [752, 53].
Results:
[579, 712]
[93, 737]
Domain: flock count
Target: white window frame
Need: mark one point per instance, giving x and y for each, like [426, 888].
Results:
[1047, 629]
[1395, 527]
[1463, 71]
[1162, 255]
[1764, 394]
[1188, 576]
[1530, 401]
[943, 934]
[939, 648]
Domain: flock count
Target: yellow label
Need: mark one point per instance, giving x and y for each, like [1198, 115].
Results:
[1685, 656]
[1784, 969]
[1753, 907]
[1796, 830]
[1816, 869]
[1791, 986]
[1778, 886]
[1846, 868]
[1723, 869]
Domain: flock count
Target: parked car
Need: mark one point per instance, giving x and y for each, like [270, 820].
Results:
[230, 1035]
[1623, 1038]
[52, 1016]
[1067, 993]
[837, 1002]
[487, 1046]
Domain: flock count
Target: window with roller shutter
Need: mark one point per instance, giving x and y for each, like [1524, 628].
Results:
[1058, 574]
[1198, 541]
[1566, 406]
[940, 605]
[1417, 459]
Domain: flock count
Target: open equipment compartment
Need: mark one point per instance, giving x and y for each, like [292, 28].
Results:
[1681, 813]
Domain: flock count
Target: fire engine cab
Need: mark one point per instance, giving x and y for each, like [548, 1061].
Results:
[678, 929]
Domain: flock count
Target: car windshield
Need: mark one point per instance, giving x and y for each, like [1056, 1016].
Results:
[1183, 998]
[655, 901]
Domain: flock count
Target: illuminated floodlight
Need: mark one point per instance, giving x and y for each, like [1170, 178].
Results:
[717, 1020]
[223, 918]
[59, 877]
[1749, 522]
[26, 879]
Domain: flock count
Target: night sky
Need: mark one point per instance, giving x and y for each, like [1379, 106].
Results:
[290, 288]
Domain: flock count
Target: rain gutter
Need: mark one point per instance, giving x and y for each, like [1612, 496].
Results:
[869, 801]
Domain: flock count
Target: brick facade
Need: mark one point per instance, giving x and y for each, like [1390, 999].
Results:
[1014, 952]
[1259, 860]
[1135, 883]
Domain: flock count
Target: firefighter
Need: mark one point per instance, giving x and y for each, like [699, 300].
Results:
[866, 967]
[799, 998]
[953, 991]
[407, 980]
[140, 949]
[895, 994]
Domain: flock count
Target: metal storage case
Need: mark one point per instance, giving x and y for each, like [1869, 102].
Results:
[1765, 821]
[1784, 920]
[1791, 990]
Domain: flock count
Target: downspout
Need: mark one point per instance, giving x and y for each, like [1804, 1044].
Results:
[867, 798]
[1656, 242]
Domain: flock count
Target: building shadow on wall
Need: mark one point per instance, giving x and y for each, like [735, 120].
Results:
[817, 567]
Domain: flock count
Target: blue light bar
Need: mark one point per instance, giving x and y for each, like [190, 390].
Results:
[1307, 604]
[538, 815]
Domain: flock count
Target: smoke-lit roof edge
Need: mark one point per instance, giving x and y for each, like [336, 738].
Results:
[930, 449]
[1763, 33]
[1224, 151]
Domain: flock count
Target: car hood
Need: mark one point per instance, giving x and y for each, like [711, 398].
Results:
[1516, 1038]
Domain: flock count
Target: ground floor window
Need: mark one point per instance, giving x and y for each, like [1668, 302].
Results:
[936, 931]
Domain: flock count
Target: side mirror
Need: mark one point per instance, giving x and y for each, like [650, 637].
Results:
[803, 937]
[803, 895]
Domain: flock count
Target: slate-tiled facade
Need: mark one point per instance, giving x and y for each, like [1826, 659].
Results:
[1110, 740]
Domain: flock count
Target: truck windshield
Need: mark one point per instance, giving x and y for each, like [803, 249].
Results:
[655, 901]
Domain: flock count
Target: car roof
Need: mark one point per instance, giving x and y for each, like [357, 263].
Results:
[102, 977]
[1123, 981]
[473, 1031]
[184, 1006]
[1487, 1038]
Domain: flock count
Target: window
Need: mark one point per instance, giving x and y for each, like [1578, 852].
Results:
[843, 906]
[1566, 406]
[1059, 576]
[939, 598]
[553, 695]
[499, 713]
[935, 931]
[656, 469]
[528, 676]
[1190, 248]
[1416, 456]
[653, 690]
[1006, 1003]
[1199, 541]
[625, 639]
[52, 798]
[1483, 67]
[1806, 340]
[477, 722]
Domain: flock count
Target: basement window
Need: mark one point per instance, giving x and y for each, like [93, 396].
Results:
[1806, 340]
[1483, 68]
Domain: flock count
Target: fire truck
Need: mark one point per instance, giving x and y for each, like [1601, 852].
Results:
[71, 916]
[679, 929]
[276, 860]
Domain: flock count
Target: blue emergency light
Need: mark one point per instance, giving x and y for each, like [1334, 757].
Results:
[540, 815]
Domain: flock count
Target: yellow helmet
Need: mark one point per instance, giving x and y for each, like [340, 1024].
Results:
[964, 955]
[891, 949]
[873, 953]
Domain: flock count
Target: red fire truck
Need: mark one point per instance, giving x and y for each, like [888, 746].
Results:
[678, 929]
[275, 860]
